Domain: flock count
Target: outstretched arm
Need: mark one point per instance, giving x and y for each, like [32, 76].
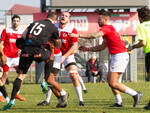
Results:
[141, 43]
[95, 48]
[88, 35]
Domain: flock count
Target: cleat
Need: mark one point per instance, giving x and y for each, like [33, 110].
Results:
[137, 98]
[61, 106]
[19, 97]
[147, 106]
[44, 87]
[117, 105]
[8, 106]
[44, 103]
[2, 99]
[63, 102]
[85, 91]
[81, 103]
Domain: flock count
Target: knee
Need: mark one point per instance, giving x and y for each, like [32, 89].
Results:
[74, 76]
[113, 84]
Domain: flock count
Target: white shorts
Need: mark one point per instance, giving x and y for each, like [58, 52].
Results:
[57, 60]
[68, 60]
[119, 62]
[12, 62]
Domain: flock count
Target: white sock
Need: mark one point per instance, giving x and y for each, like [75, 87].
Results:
[18, 92]
[48, 95]
[79, 93]
[130, 91]
[63, 92]
[7, 100]
[82, 83]
[1, 94]
[118, 99]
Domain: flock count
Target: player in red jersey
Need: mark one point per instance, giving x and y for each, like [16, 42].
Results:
[9, 55]
[119, 57]
[68, 48]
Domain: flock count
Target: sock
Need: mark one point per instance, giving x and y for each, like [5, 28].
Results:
[16, 88]
[63, 92]
[59, 100]
[48, 95]
[7, 99]
[3, 91]
[1, 94]
[79, 93]
[130, 91]
[118, 99]
[82, 83]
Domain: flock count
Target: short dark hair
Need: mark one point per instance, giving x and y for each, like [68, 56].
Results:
[15, 16]
[103, 12]
[52, 15]
[144, 13]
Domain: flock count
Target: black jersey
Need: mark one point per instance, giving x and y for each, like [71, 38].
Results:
[40, 32]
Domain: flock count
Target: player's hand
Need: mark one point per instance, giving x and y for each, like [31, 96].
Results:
[83, 48]
[73, 35]
[62, 59]
[130, 48]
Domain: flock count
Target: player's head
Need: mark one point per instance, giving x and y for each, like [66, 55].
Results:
[64, 17]
[15, 21]
[52, 15]
[20, 43]
[144, 14]
[103, 17]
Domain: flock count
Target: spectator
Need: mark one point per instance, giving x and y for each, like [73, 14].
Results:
[93, 69]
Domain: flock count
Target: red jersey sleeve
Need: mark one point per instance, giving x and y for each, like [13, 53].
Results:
[74, 39]
[3, 35]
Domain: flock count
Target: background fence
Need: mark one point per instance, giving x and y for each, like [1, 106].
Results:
[81, 57]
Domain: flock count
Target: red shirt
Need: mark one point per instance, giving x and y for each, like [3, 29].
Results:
[57, 51]
[92, 65]
[114, 42]
[9, 37]
[66, 40]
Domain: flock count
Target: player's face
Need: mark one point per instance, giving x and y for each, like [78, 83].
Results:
[101, 20]
[64, 18]
[15, 22]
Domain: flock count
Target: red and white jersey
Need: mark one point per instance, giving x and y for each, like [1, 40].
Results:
[66, 40]
[114, 42]
[9, 37]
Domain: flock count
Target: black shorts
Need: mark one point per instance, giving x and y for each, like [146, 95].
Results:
[147, 62]
[49, 69]
[25, 62]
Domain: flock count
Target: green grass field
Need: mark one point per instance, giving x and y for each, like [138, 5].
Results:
[97, 100]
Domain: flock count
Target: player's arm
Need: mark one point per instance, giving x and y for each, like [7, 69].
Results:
[72, 50]
[141, 43]
[58, 43]
[25, 33]
[95, 48]
[2, 56]
[88, 35]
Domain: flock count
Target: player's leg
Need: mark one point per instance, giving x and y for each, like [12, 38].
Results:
[116, 70]
[72, 70]
[82, 84]
[24, 64]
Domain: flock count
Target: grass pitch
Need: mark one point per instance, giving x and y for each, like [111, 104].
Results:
[97, 100]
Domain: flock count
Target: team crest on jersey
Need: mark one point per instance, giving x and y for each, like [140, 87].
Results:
[63, 40]
[64, 34]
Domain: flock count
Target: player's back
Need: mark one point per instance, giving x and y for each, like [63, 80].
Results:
[41, 31]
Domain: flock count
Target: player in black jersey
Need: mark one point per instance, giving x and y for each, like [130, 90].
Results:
[36, 36]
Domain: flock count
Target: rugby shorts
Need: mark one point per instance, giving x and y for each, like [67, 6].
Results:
[119, 62]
